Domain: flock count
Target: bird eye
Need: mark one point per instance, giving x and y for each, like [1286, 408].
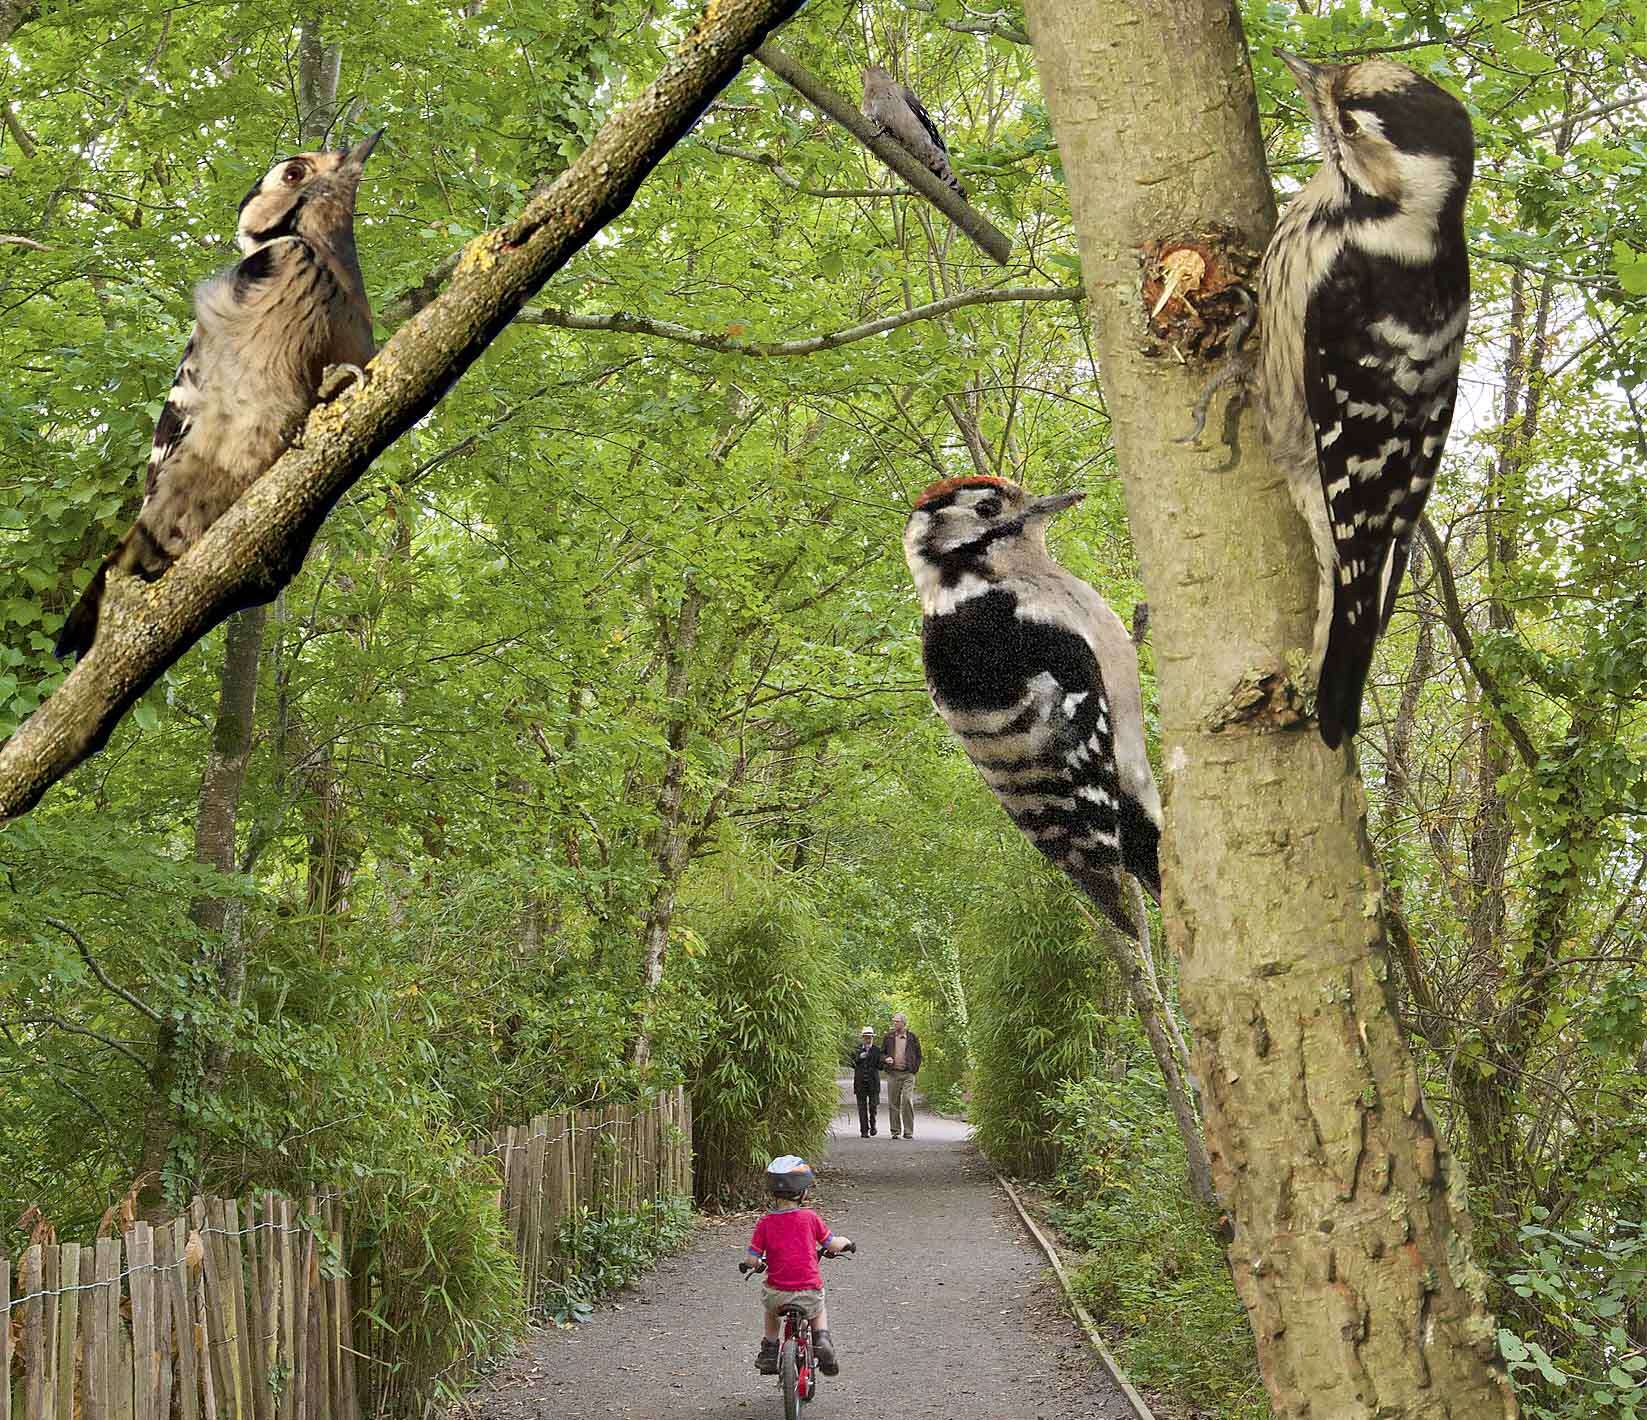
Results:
[295, 173]
[989, 508]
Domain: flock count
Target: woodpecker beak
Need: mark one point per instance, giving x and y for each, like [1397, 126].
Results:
[356, 157]
[1053, 503]
[1313, 80]
[1302, 70]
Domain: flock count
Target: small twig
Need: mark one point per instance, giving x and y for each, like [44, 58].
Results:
[99, 973]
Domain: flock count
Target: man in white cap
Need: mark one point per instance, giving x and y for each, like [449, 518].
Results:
[866, 1080]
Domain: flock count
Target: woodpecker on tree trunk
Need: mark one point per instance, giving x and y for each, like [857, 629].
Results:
[1364, 296]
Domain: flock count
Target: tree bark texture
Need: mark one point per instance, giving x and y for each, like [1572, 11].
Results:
[253, 550]
[1350, 1248]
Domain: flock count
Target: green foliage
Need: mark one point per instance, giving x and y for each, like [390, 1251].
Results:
[1150, 1264]
[765, 1082]
[434, 1275]
[1037, 1018]
[1590, 1293]
[605, 1254]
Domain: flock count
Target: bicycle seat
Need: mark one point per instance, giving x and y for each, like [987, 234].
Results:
[799, 1313]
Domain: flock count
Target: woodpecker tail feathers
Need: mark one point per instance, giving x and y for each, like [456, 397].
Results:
[1103, 887]
[137, 553]
[1141, 855]
[1344, 671]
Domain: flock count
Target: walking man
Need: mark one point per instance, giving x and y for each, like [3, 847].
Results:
[901, 1058]
[866, 1081]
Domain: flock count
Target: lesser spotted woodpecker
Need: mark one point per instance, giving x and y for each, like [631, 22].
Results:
[1038, 679]
[1363, 297]
[896, 111]
[266, 331]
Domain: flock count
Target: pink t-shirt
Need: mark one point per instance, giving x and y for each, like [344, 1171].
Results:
[790, 1239]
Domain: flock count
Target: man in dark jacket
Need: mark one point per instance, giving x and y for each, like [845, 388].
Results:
[866, 1080]
[901, 1058]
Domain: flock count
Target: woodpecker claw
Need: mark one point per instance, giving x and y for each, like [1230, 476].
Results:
[1236, 370]
[338, 378]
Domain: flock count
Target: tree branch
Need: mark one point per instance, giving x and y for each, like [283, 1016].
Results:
[625, 323]
[254, 549]
[14, 14]
[102, 976]
[971, 223]
[986, 25]
[1453, 614]
[766, 160]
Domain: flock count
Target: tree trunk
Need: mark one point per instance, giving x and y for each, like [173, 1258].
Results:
[218, 821]
[1350, 1247]
[217, 918]
[669, 844]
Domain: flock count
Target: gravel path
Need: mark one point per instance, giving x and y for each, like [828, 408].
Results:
[942, 1315]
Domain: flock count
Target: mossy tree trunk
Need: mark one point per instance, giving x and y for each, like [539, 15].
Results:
[1350, 1247]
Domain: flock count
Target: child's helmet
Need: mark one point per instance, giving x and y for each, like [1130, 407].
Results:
[789, 1176]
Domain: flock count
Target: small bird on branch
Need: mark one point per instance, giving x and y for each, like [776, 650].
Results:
[899, 115]
[267, 332]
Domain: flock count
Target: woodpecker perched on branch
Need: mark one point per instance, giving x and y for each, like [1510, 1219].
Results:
[266, 331]
[899, 115]
[1364, 295]
[1038, 678]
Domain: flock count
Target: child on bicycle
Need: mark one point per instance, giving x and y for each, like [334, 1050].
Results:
[787, 1240]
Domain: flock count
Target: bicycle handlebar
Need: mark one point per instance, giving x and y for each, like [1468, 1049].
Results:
[751, 1269]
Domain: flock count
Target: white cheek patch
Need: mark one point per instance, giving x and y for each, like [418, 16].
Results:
[942, 600]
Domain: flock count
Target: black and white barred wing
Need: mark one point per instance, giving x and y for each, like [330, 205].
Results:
[176, 416]
[939, 161]
[1381, 393]
[1044, 742]
[922, 117]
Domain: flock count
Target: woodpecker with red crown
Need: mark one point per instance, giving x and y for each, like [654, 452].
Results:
[1038, 679]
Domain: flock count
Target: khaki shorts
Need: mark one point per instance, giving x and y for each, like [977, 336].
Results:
[810, 1301]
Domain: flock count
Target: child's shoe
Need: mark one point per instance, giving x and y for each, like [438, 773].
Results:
[824, 1349]
[766, 1359]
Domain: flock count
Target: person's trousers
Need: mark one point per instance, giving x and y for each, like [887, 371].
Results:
[869, 1100]
[900, 1102]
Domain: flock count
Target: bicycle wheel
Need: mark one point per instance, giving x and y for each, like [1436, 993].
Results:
[789, 1379]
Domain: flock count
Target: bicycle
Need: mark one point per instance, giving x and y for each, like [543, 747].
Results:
[797, 1366]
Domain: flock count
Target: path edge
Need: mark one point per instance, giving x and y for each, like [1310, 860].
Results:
[1082, 1316]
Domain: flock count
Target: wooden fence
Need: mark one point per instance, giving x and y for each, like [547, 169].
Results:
[243, 1310]
[612, 1161]
[235, 1311]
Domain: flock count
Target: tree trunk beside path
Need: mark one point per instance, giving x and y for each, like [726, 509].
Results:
[1350, 1247]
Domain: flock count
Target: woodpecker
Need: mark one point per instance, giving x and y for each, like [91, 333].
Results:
[899, 115]
[1364, 294]
[1038, 679]
[266, 331]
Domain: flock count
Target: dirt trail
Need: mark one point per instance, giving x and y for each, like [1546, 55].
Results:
[942, 1315]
